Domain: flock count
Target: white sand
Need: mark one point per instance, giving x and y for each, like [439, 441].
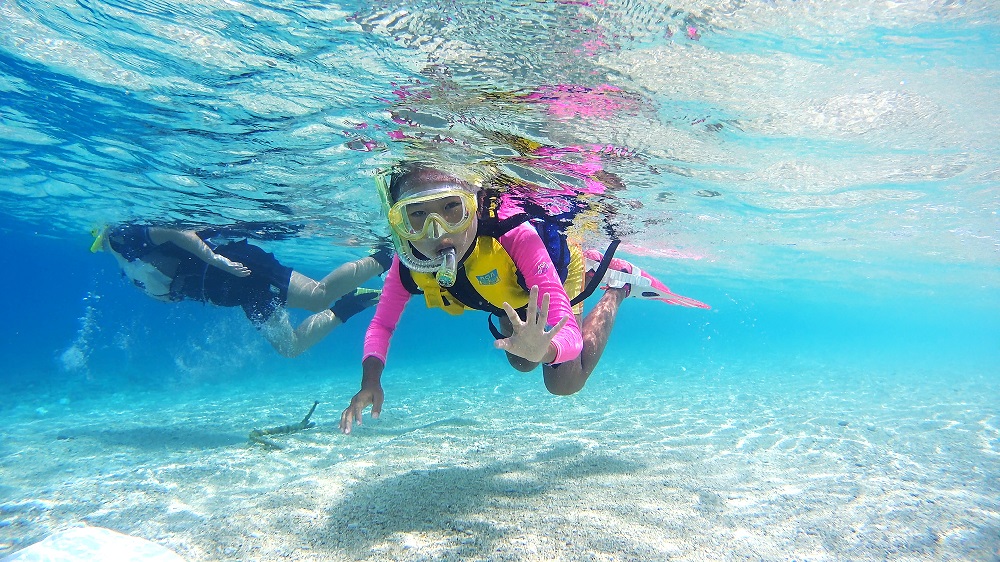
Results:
[648, 463]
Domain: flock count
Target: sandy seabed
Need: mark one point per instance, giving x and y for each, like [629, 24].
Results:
[647, 463]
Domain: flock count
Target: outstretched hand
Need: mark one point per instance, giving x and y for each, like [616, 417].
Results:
[370, 395]
[530, 338]
[366, 397]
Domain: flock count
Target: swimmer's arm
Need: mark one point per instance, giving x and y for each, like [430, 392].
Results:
[189, 241]
[528, 251]
[387, 313]
[370, 395]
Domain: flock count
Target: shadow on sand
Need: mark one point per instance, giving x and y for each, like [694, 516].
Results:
[457, 507]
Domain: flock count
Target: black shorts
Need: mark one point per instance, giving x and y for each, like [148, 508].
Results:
[260, 294]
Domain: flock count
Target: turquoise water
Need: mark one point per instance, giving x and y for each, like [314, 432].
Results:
[823, 174]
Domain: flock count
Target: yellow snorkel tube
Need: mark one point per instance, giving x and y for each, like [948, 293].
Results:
[100, 235]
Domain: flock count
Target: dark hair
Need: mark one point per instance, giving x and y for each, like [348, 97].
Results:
[408, 173]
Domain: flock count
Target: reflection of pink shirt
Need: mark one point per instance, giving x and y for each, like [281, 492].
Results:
[528, 252]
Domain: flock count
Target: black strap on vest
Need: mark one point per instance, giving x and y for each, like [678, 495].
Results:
[462, 291]
[495, 228]
[602, 268]
[406, 277]
[465, 293]
[595, 281]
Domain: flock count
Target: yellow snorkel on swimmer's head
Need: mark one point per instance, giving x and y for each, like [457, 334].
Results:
[100, 234]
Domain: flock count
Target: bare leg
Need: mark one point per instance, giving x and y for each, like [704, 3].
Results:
[290, 343]
[317, 296]
[569, 377]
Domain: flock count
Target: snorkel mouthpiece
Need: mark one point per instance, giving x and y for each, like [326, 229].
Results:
[448, 271]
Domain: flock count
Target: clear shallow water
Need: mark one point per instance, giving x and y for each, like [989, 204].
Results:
[825, 175]
[765, 460]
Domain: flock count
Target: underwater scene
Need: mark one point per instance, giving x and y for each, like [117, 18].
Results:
[780, 217]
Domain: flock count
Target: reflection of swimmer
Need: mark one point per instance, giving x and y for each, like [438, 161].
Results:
[462, 251]
[174, 265]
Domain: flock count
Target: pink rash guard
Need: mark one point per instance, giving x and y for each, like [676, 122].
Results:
[528, 252]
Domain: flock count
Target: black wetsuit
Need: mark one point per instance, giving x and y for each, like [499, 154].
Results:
[260, 294]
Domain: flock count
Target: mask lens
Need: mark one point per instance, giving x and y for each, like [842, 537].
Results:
[451, 211]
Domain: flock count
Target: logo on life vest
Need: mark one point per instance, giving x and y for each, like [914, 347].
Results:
[491, 278]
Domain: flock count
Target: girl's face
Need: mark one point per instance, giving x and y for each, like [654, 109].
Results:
[434, 216]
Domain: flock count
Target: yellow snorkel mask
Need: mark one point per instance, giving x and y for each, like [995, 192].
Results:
[100, 235]
[428, 214]
[432, 213]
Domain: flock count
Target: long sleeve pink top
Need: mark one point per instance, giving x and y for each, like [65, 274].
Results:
[528, 252]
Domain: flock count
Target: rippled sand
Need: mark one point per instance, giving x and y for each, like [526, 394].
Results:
[650, 462]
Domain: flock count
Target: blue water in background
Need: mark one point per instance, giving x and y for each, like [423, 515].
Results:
[73, 299]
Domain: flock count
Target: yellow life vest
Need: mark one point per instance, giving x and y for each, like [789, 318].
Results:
[488, 269]
[488, 278]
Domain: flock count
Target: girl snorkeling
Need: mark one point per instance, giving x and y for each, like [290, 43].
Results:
[463, 251]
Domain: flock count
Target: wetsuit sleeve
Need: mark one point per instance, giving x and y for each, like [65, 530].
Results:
[387, 312]
[528, 251]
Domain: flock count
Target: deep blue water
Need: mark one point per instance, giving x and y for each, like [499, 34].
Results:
[66, 297]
